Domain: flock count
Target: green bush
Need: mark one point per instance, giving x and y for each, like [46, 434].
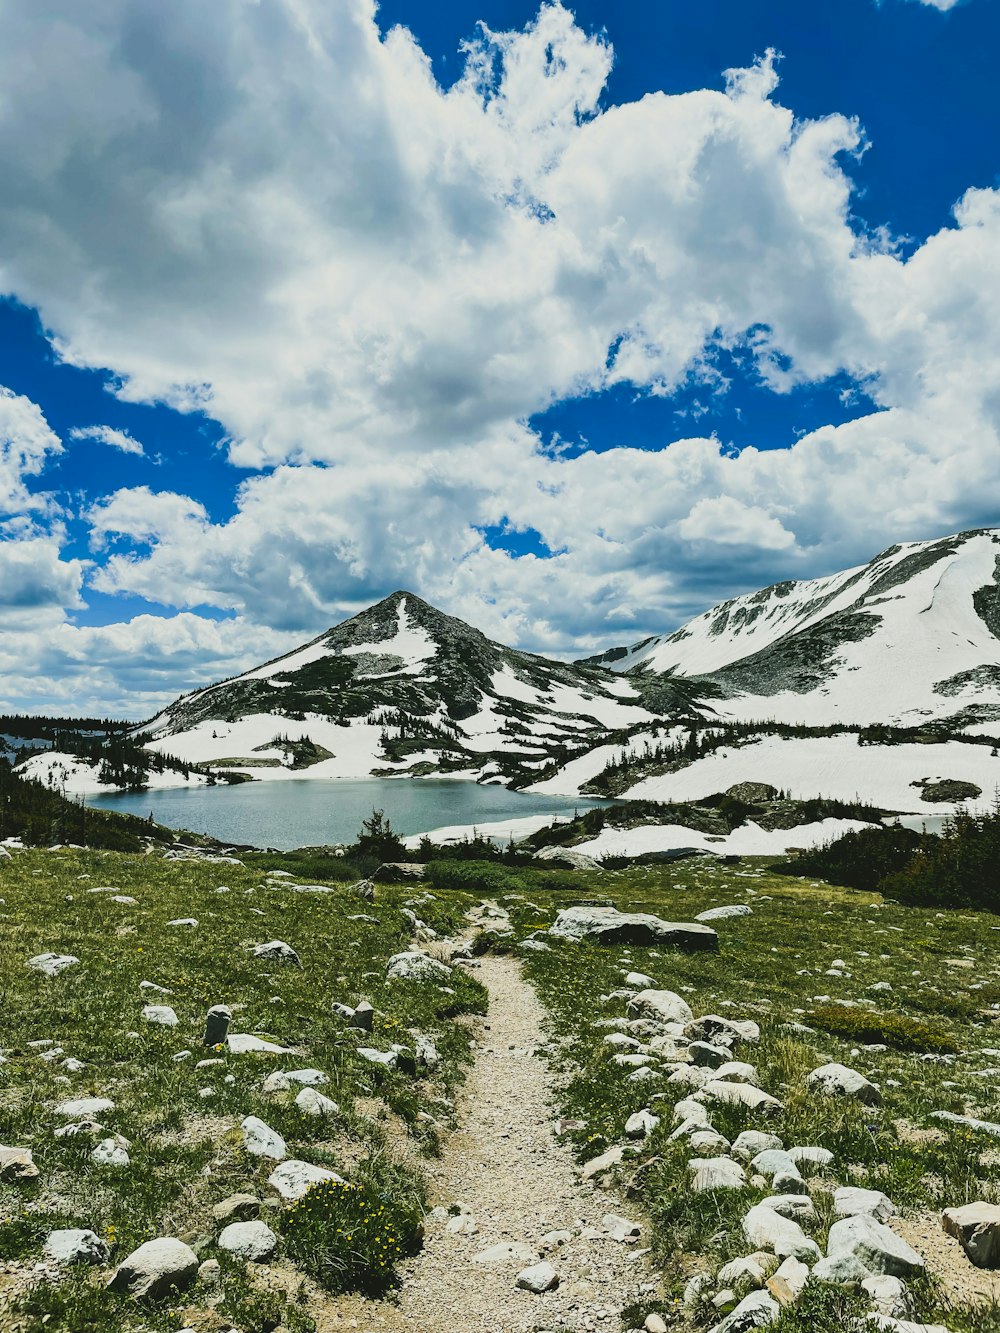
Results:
[905, 1034]
[350, 1235]
[476, 877]
[958, 869]
[858, 860]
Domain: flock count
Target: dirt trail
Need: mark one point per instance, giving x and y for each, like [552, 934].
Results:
[506, 1167]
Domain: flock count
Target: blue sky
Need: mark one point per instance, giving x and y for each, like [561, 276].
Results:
[570, 330]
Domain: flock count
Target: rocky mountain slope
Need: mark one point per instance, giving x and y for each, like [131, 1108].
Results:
[911, 636]
[404, 689]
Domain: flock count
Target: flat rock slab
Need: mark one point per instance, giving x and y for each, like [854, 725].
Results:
[51, 964]
[725, 913]
[977, 1227]
[605, 925]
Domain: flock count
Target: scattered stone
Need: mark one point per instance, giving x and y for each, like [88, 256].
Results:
[716, 1173]
[217, 1022]
[156, 1269]
[399, 872]
[110, 1152]
[242, 1043]
[183, 921]
[811, 1156]
[51, 964]
[84, 1107]
[662, 1005]
[977, 1227]
[254, 1242]
[17, 1165]
[754, 1311]
[874, 1245]
[841, 1270]
[160, 1014]
[786, 1285]
[851, 1202]
[986, 1126]
[655, 1324]
[704, 1053]
[282, 1079]
[313, 1103]
[768, 1230]
[835, 1080]
[210, 1272]
[740, 1094]
[598, 1165]
[237, 1208]
[277, 951]
[362, 1017]
[641, 1125]
[506, 1253]
[260, 1140]
[605, 925]
[798, 1207]
[620, 1228]
[713, 1028]
[75, 1246]
[724, 913]
[887, 1293]
[752, 1142]
[416, 966]
[554, 1240]
[293, 1178]
[538, 1278]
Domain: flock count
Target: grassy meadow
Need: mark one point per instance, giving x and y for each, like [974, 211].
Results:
[182, 1122]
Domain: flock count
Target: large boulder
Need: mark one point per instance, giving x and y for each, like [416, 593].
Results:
[606, 925]
[977, 1228]
[767, 1229]
[874, 1245]
[665, 1006]
[835, 1080]
[277, 951]
[156, 1269]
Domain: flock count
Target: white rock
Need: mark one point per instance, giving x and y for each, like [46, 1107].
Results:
[277, 951]
[834, 1080]
[740, 1094]
[754, 1311]
[811, 1156]
[416, 966]
[183, 921]
[109, 1152]
[620, 1228]
[794, 1274]
[293, 1178]
[752, 1142]
[662, 1005]
[724, 913]
[716, 1173]
[51, 964]
[506, 1253]
[311, 1102]
[242, 1043]
[253, 1242]
[874, 1245]
[84, 1107]
[851, 1201]
[538, 1278]
[766, 1229]
[161, 1014]
[75, 1246]
[282, 1079]
[260, 1140]
[641, 1125]
[156, 1269]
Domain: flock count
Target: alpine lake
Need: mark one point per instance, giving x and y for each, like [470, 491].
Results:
[311, 812]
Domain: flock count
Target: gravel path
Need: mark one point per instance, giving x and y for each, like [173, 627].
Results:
[518, 1183]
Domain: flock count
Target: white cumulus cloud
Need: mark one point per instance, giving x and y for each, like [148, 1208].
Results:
[110, 435]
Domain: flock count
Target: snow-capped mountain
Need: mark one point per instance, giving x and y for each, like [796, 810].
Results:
[911, 636]
[404, 689]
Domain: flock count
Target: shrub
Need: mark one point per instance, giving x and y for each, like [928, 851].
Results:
[350, 1235]
[475, 877]
[958, 869]
[906, 1034]
[858, 860]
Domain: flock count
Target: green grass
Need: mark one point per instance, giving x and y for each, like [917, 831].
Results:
[186, 1150]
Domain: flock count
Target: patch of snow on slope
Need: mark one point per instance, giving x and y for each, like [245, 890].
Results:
[501, 830]
[74, 776]
[413, 644]
[749, 840]
[834, 766]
